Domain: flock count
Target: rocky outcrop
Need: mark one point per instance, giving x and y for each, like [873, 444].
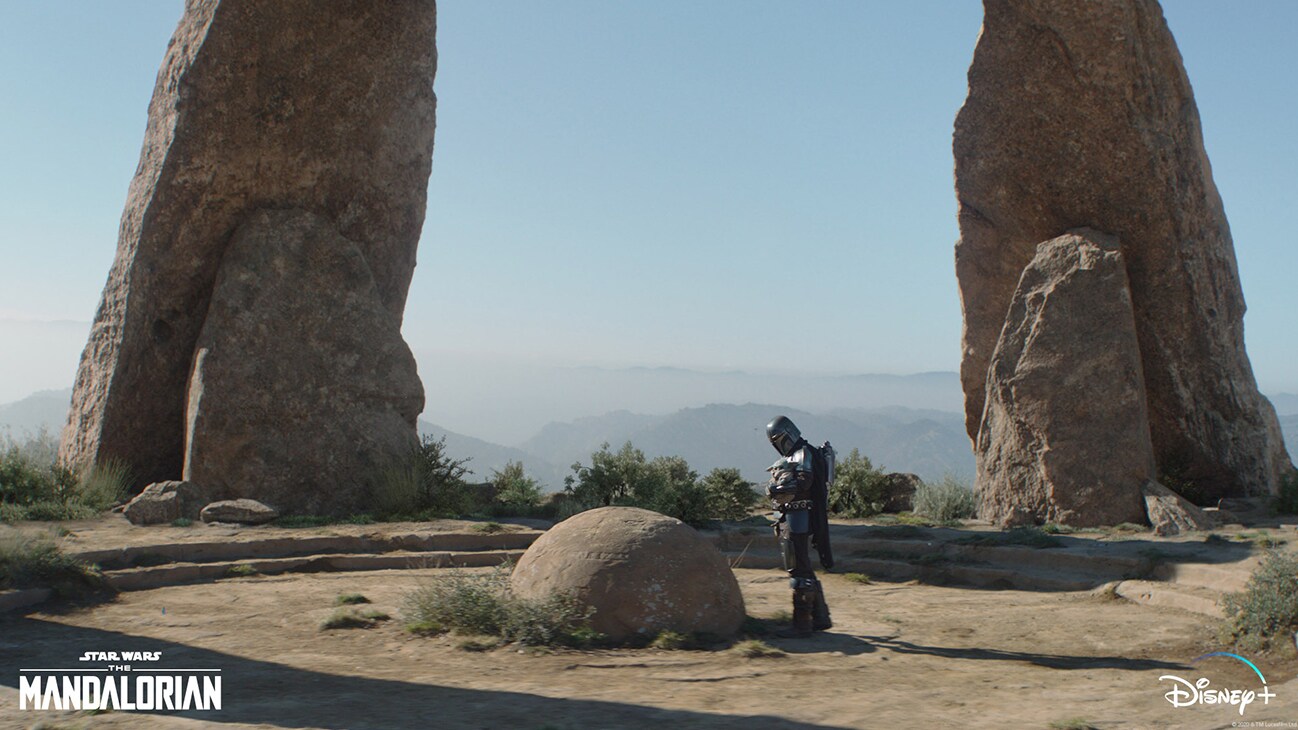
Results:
[642, 572]
[238, 511]
[302, 389]
[322, 107]
[1081, 114]
[1170, 513]
[899, 491]
[163, 502]
[1065, 435]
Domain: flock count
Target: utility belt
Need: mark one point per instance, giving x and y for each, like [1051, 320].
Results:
[793, 504]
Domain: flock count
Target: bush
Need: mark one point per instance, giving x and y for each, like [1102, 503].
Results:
[481, 603]
[1267, 609]
[666, 484]
[858, 489]
[1286, 502]
[36, 562]
[949, 499]
[516, 493]
[468, 602]
[428, 483]
[729, 496]
[34, 486]
[620, 478]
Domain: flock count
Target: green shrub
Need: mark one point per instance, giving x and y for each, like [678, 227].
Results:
[37, 562]
[948, 499]
[1267, 609]
[468, 602]
[611, 478]
[482, 604]
[859, 489]
[427, 483]
[516, 493]
[34, 486]
[666, 484]
[730, 496]
[350, 599]
[1286, 502]
[555, 620]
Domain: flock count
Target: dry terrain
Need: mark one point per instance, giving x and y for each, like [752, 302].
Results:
[900, 655]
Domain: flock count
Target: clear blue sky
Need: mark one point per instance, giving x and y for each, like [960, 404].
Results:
[652, 183]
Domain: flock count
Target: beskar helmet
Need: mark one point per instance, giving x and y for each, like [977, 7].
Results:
[784, 435]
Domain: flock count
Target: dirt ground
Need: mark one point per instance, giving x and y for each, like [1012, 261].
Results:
[900, 655]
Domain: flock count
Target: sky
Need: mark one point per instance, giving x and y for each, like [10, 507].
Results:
[756, 185]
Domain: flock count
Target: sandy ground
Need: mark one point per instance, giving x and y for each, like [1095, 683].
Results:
[900, 655]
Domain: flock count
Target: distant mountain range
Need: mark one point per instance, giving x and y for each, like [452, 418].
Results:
[930, 443]
[46, 409]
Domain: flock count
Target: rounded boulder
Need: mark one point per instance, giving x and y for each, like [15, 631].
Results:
[641, 571]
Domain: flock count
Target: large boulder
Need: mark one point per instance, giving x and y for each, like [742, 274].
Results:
[641, 571]
[302, 389]
[322, 106]
[164, 502]
[1065, 433]
[1081, 114]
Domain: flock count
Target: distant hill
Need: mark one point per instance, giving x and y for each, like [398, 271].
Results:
[928, 443]
[47, 409]
[485, 456]
[1286, 404]
[1289, 425]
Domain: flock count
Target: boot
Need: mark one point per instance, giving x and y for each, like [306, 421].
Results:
[804, 605]
[820, 620]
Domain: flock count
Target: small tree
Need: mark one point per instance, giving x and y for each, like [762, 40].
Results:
[611, 478]
[673, 489]
[729, 496]
[515, 491]
[859, 489]
[428, 481]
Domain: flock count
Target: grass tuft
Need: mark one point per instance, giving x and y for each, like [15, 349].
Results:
[754, 649]
[350, 599]
[37, 562]
[481, 604]
[346, 619]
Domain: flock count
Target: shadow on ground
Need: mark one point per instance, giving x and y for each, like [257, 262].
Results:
[260, 692]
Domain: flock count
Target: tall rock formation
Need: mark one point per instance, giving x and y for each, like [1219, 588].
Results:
[302, 390]
[323, 106]
[1081, 115]
[1065, 434]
